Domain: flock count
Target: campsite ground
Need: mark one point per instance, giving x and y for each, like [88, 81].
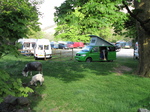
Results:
[71, 86]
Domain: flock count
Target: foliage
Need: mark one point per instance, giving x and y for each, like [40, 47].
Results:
[128, 29]
[90, 17]
[17, 18]
[11, 86]
[36, 34]
[68, 32]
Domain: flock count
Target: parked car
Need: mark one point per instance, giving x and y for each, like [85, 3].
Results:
[136, 51]
[117, 46]
[78, 45]
[98, 50]
[54, 45]
[127, 46]
[96, 53]
[63, 46]
[70, 45]
[75, 44]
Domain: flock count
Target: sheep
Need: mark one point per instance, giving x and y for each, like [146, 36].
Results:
[36, 78]
[32, 66]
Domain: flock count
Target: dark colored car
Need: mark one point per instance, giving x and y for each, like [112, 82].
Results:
[117, 46]
[62, 46]
[52, 45]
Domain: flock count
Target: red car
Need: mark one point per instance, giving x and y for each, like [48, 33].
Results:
[70, 45]
[78, 45]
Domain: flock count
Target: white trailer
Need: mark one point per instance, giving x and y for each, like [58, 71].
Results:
[27, 45]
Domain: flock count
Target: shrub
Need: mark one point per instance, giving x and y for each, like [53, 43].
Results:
[11, 86]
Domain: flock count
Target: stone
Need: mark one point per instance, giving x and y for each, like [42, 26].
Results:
[23, 101]
[20, 110]
[143, 110]
[10, 100]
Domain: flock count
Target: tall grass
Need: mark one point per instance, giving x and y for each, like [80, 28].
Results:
[72, 86]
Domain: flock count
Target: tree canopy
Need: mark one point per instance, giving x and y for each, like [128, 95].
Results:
[98, 17]
[17, 18]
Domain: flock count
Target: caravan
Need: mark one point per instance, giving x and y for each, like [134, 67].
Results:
[98, 50]
[42, 49]
[27, 45]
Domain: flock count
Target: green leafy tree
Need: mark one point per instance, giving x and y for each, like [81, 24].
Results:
[87, 17]
[37, 34]
[94, 15]
[17, 19]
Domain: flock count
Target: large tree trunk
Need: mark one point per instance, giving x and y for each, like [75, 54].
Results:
[143, 37]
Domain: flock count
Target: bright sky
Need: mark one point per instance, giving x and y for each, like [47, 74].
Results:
[47, 8]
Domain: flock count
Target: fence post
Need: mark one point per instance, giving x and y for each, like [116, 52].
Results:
[60, 56]
[44, 55]
[72, 53]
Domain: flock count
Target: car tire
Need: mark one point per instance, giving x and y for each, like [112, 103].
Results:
[89, 60]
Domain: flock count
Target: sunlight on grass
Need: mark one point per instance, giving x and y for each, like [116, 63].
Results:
[85, 87]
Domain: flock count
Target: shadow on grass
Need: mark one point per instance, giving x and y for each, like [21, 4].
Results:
[64, 71]
[145, 103]
[73, 71]
[37, 96]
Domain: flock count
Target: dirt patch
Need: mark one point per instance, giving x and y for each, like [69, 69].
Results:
[119, 70]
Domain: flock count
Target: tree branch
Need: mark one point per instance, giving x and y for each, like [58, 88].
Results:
[142, 23]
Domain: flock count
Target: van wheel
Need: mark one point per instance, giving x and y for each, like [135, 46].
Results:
[88, 60]
[35, 58]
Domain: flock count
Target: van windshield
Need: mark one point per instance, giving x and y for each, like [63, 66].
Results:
[86, 48]
[40, 47]
[46, 47]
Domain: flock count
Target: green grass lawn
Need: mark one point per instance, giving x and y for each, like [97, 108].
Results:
[72, 86]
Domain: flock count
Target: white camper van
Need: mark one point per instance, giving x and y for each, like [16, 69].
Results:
[27, 45]
[42, 49]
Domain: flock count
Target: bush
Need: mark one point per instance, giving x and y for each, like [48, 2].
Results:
[10, 86]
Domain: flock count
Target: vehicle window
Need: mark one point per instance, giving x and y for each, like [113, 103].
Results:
[40, 47]
[46, 47]
[93, 41]
[69, 42]
[33, 45]
[95, 49]
[111, 48]
[26, 45]
[87, 48]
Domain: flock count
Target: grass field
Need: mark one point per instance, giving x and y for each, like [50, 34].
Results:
[72, 86]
